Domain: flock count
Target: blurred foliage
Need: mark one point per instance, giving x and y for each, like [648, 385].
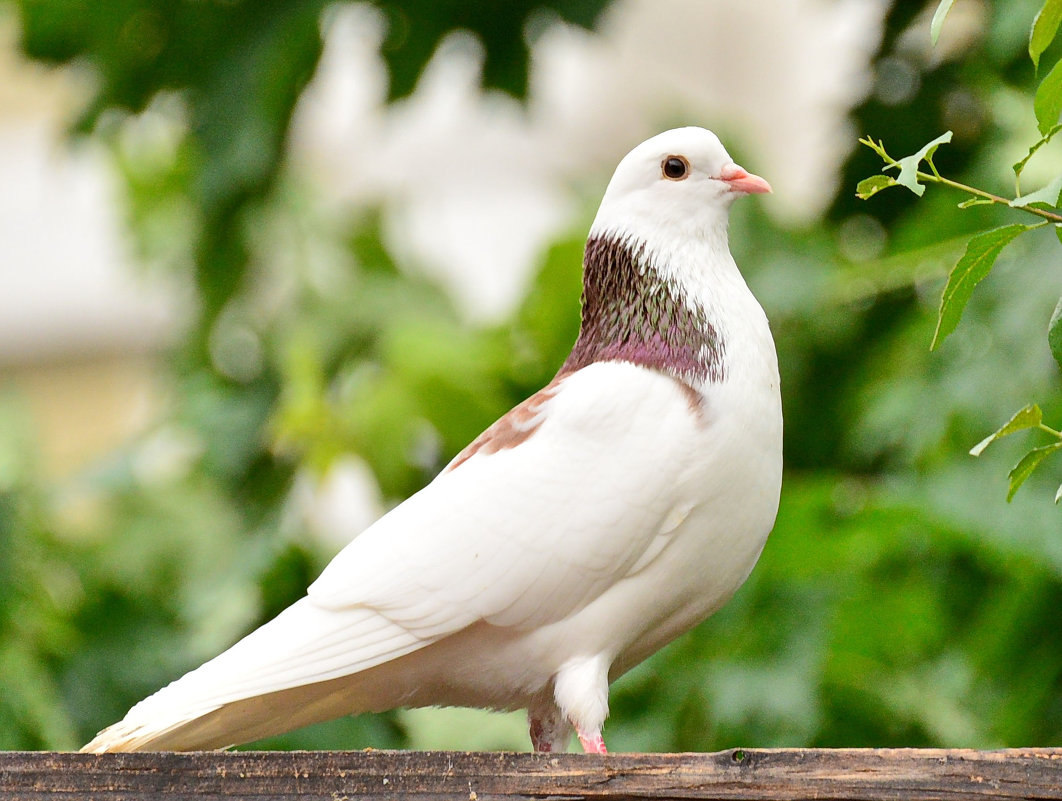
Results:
[238, 69]
[983, 249]
[900, 600]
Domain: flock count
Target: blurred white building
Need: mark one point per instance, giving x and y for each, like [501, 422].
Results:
[77, 328]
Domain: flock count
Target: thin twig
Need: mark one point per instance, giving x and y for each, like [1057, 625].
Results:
[1049, 430]
[938, 179]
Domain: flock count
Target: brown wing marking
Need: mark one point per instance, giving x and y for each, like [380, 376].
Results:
[513, 428]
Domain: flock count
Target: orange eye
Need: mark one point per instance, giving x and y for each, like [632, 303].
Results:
[675, 168]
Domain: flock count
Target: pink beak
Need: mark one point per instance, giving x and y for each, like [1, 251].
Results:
[742, 181]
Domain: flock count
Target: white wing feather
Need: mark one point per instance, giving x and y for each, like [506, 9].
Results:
[520, 537]
[525, 536]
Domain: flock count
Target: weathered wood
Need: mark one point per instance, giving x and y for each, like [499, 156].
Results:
[923, 774]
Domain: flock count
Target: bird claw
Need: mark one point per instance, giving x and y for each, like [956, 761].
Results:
[593, 743]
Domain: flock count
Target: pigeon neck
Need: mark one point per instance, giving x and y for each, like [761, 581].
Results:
[634, 314]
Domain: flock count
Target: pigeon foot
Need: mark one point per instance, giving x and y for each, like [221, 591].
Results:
[593, 742]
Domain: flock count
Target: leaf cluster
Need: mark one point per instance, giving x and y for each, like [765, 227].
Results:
[984, 248]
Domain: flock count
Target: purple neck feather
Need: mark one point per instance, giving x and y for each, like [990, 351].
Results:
[633, 314]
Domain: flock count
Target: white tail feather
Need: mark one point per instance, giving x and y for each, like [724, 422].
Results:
[303, 666]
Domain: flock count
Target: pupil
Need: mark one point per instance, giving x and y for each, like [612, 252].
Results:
[674, 168]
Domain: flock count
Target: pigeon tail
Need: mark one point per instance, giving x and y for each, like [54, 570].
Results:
[308, 664]
[241, 721]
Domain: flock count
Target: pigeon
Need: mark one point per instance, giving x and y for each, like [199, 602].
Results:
[595, 522]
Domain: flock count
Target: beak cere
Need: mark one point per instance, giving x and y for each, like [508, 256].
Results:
[742, 181]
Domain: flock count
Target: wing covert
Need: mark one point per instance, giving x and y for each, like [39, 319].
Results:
[525, 535]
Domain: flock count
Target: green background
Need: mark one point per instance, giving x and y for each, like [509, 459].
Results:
[900, 600]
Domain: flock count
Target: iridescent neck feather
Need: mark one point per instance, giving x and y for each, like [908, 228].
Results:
[633, 313]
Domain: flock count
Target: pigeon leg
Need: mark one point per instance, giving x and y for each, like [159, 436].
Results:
[580, 690]
[548, 736]
[550, 730]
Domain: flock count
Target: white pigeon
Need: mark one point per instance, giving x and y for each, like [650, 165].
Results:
[604, 516]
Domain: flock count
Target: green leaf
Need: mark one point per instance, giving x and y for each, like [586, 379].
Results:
[1044, 28]
[974, 265]
[1029, 462]
[909, 164]
[1054, 333]
[1028, 417]
[1058, 494]
[1048, 101]
[938, 20]
[869, 187]
[1048, 195]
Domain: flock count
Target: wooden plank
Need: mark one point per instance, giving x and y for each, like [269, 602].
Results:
[789, 774]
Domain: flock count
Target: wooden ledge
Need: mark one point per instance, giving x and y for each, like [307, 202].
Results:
[746, 773]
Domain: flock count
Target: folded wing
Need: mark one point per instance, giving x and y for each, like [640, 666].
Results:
[524, 529]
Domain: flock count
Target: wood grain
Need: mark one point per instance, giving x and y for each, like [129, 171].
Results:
[793, 774]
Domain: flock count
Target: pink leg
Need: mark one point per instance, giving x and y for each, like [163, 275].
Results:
[540, 740]
[593, 742]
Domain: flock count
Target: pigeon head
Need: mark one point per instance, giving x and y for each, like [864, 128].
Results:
[656, 256]
[679, 183]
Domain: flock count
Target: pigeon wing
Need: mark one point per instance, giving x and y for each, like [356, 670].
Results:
[554, 504]
[550, 507]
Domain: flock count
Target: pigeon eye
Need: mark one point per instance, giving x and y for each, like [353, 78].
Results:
[675, 168]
